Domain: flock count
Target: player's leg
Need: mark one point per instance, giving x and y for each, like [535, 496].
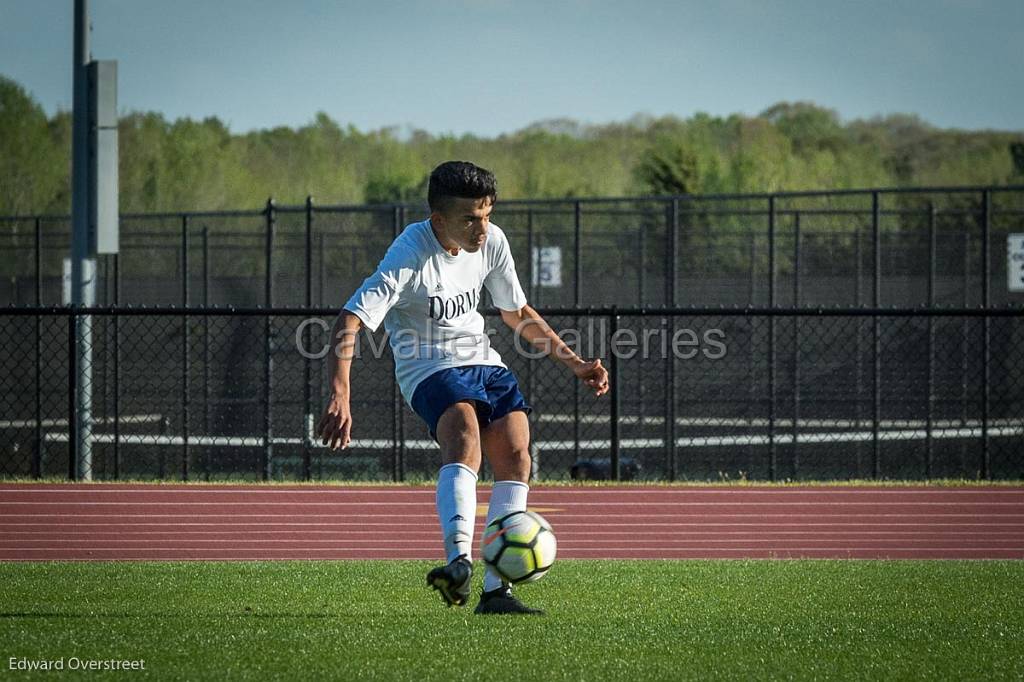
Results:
[458, 434]
[506, 444]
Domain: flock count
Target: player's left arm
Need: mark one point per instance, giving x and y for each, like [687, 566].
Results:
[533, 329]
[509, 297]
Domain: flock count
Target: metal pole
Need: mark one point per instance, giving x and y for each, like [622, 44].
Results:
[671, 273]
[117, 368]
[37, 456]
[268, 351]
[320, 301]
[539, 290]
[307, 384]
[641, 296]
[673, 247]
[752, 273]
[206, 349]
[858, 298]
[82, 288]
[401, 408]
[616, 396]
[986, 301]
[796, 343]
[578, 257]
[964, 349]
[185, 338]
[578, 302]
[641, 274]
[931, 342]
[876, 288]
[533, 276]
[670, 407]
[752, 355]
[772, 454]
[73, 396]
[396, 399]
[530, 259]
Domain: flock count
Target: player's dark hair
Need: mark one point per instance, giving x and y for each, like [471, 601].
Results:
[459, 180]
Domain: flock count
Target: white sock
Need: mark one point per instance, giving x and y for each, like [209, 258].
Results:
[506, 497]
[456, 508]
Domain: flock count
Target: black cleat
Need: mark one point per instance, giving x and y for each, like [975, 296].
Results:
[501, 601]
[452, 581]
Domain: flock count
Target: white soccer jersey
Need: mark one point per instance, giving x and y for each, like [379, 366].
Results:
[427, 300]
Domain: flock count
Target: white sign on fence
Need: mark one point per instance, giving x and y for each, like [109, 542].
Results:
[547, 266]
[1015, 262]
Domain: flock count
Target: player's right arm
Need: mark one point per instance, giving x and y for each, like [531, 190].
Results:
[335, 426]
[367, 307]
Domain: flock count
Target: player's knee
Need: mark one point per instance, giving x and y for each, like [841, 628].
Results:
[458, 434]
[515, 467]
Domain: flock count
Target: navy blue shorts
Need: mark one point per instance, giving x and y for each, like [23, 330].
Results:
[493, 390]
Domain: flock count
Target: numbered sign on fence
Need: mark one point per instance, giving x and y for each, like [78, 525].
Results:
[547, 266]
[1015, 262]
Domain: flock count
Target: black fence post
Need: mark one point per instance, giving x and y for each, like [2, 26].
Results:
[796, 344]
[396, 399]
[876, 289]
[37, 455]
[772, 454]
[858, 348]
[401, 406]
[308, 416]
[532, 282]
[206, 350]
[673, 249]
[670, 361]
[321, 240]
[616, 396]
[641, 269]
[641, 412]
[116, 322]
[267, 468]
[930, 418]
[965, 336]
[184, 351]
[670, 401]
[72, 397]
[986, 302]
[578, 303]
[531, 260]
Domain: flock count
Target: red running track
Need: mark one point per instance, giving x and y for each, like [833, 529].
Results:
[173, 522]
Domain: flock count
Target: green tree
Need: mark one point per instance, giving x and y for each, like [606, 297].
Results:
[670, 167]
[31, 169]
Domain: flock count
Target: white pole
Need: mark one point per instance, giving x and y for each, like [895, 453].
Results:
[83, 282]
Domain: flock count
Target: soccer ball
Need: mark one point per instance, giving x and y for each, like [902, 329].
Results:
[519, 546]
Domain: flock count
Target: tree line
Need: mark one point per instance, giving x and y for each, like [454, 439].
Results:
[187, 164]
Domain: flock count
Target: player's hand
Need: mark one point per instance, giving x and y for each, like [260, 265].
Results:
[594, 375]
[335, 428]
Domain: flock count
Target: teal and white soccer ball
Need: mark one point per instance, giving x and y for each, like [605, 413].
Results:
[519, 546]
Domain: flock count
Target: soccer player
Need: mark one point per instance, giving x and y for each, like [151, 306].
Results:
[426, 291]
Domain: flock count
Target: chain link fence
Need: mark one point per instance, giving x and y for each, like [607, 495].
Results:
[910, 247]
[697, 394]
[857, 390]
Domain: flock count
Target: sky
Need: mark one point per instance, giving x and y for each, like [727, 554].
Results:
[488, 67]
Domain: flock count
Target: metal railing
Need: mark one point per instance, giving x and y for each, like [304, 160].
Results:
[779, 257]
[697, 393]
[846, 248]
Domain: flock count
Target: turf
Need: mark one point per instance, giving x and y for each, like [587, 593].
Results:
[606, 620]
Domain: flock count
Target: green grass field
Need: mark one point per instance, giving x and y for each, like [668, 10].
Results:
[606, 620]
